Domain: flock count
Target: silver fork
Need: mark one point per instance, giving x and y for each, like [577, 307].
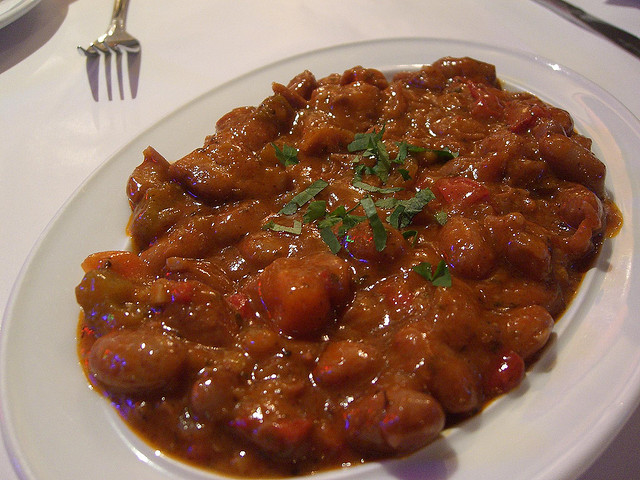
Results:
[116, 39]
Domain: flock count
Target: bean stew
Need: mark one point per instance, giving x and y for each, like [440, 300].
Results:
[344, 270]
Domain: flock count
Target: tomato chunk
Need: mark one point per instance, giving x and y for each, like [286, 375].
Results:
[487, 101]
[461, 191]
[303, 294]
[506, 373]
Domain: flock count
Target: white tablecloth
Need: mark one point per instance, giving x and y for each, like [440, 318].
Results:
[54, 131]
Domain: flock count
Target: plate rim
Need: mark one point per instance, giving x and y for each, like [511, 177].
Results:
[15, 12]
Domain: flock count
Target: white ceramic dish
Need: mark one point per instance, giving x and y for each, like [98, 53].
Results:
[11, 10]
[572, 403]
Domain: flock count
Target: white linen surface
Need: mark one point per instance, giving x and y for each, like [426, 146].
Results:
[53, 133]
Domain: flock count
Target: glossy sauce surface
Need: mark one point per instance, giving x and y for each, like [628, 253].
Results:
[343, 270]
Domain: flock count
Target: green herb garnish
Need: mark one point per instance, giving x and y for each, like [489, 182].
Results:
[409, 234]
[405, 210]
[330, 239]
[441, 217]
[440, 278]
[370, 145]
[404, 173]
[295, 230]
[358, 183]
[404, 149]
[379, 233]
[303, 197]
[315, 210]
[341, 215]
[387, 203]
[444, 154]
[287, 155]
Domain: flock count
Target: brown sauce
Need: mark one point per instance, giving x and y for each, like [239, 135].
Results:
[344, 270]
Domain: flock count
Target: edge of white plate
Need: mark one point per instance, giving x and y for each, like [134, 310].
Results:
[16, 11]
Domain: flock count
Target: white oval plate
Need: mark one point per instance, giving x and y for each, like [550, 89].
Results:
[570, 406]
[11, 10]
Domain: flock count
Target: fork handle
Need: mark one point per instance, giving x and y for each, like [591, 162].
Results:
[119, 16]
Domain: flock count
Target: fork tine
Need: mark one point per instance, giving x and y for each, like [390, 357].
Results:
[89, 52]
[115, 40]
[133, 47]
[111, 47]
[94, 50]
[101, 48]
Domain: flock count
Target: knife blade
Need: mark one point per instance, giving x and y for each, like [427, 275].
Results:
[576, 15]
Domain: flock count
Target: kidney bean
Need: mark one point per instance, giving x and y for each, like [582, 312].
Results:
[323, 140]
[101, 319]
[370, 76]
[276, 428]
[263, 247]
[555, 120]
[347, 363]
[445, 374]
[366, 312]
[260, 342]
[579, 243]
[573, 162]
[395, 420]
[395, 107]
[451, 379]
[504, 373]
[469, 68]
[293, 98]
[577, 204]
[354, 106]
[526, 329]
[225, 170]
[454, 312]
[303, 84]
[362, 424]
[497, 149]
[196, 312]
[273, 116]
[205, 271]
[522, 292]
[129, 361]
[252, 127]
[463, 243]
[213, 395]
[429, 77]
[412, 419]
[525, 172]
[524, 245]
